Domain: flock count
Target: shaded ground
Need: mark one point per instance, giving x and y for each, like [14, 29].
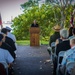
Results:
[32, 61]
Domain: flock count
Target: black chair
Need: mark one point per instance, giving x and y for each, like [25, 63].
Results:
[2, 70]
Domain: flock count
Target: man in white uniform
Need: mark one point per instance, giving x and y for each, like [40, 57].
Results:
[10, 34]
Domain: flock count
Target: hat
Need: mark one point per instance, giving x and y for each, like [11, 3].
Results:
[8, 28]
[1, 37]
[57, 28]
[4, 30]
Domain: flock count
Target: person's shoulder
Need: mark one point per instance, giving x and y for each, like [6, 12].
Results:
[8, 38]
[36, 23]
[59, 45]
[68, 52]
[71, 37]
[3, 50]
[10, 35]
[51, 36]
[32, 25]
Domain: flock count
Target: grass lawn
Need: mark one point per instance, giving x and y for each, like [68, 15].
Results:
[27, 42]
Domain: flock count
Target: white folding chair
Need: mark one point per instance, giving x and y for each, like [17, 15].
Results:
[53, 44]
[51, 50]
[5, 65]
[61, 54]
[69, 66]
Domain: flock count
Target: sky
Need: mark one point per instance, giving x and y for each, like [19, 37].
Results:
[10, 8]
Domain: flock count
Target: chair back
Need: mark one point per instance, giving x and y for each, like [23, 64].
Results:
[53, 44]
[73, 71]
[60, 55]
[69, 67]
[2, 70]
[5, 66]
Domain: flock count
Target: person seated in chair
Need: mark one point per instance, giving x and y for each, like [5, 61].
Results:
[73, 32]
[8, 40]
[56, 34]
[69, 56]
[70, 30]
[5, 55]
[9, 34]
[53, 37]
[7, 47]
[63, 46]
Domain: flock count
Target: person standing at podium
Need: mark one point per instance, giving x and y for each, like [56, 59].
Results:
[34, 24]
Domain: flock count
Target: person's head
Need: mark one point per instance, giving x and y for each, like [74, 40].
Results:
[70, 31]
[72, 42]
[1, 39]
[8, 29]
[64, 33]
[4, 31]
[56, 28]
[73, 31]
[34, 21]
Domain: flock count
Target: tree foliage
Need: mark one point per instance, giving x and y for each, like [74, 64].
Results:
[47, 16]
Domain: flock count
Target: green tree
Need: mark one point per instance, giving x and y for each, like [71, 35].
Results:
[47, 16]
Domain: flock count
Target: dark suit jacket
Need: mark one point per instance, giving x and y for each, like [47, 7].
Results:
[34, 25]
[10, 42]
[7, 47]
[63, 46]
[53, 38]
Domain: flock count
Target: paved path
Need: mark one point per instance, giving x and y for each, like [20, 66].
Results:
[32, 61]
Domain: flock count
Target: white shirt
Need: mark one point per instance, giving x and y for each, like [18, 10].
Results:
[5, 56]
[71, 37]
[11, 36]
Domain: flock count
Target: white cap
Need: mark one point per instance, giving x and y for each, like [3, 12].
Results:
[8, 28]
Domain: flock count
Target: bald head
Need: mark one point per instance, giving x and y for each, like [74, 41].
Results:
[72, 42]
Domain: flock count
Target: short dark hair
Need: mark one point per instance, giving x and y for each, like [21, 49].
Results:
[8, 30]
[4, 30]
[73, 31]
[70, 31]
[1, 37]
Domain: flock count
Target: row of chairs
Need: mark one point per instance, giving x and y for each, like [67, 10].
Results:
[60, 55]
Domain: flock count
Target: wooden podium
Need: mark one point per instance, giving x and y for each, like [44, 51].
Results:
[34, 36]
